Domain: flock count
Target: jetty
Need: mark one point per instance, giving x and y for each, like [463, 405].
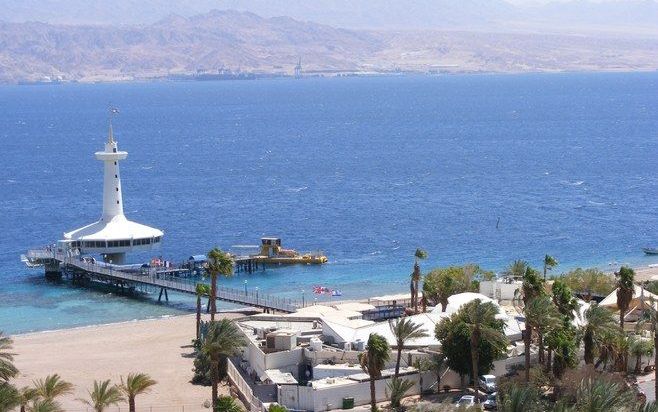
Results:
[59, 263]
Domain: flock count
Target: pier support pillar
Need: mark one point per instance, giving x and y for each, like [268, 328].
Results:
[165, 294]
[53, 270]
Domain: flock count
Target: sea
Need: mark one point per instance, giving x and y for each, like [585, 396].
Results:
[480, 169]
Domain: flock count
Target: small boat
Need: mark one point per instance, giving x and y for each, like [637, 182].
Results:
[650, 250]
[271, 252]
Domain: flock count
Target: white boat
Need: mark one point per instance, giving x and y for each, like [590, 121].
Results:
[650, 250]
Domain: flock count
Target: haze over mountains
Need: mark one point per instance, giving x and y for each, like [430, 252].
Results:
[129, 39]
[627, 15]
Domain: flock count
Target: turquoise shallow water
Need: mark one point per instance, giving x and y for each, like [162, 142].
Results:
[366, 169]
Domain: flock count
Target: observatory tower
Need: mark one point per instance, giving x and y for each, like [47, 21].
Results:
[113, 235]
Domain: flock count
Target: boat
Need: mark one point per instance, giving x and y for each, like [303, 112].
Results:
[650, 250]
[271, 252]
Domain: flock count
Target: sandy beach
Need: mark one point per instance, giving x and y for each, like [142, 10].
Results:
[159, 347]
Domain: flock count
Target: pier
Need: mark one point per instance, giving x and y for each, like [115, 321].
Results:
[58, 263]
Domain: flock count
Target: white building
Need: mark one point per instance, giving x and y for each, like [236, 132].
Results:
[113, 235]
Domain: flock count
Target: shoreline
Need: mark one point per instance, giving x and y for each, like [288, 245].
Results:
[159, 347]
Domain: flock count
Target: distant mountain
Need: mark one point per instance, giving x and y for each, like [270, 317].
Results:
[497, 15]
[240, 41]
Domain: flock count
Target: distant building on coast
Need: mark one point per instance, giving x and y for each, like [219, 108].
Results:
[298, 69]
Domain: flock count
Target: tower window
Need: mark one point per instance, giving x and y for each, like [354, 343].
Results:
[116, 176]
[117, 202]
[115, 163]
[117, 189]
[114, 150]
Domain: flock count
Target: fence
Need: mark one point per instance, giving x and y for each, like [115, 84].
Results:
[234, 375]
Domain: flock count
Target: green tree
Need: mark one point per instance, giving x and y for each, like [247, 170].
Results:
[224, 339]
[532, 286]
[563, 298]
[549, 263]
[25, 396]
[589, 282]
[52, 387]
[596, 394]
[373, 361]
[7, 368]
[275, 407]
[540, 315]
[639, 347]
[44, 405]
[519, 398]
[563, 343]
[9, 397]
[226, 404]
[398, 388]
[625, 291]
[599, 324]
[517, 268]
[420, 254]
[136, 384]
[201, 290]
[103, 396]
[404, 329]
[442, 283]
[219, 263]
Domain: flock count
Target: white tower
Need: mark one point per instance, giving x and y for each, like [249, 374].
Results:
[113, 235]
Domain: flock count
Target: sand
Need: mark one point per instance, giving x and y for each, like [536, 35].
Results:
[159, 347]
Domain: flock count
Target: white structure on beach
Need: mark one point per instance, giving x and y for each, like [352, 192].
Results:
[113, 235]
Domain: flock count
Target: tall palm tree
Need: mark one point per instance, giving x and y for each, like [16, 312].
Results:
[404, 329]
[201, 290]
[480, 319]
[219, 263]
[517, 268]
[625, 291]
[7, 368]
[532, 286]
[549, 263]
[224, 339]
[599, 323]
[639, 347]
[373, 361]
[540, 315]
[52, 387]
[103, 396]
[136, 384]
[415, 278]
[519, 399]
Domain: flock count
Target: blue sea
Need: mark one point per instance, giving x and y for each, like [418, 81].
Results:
[473, 168]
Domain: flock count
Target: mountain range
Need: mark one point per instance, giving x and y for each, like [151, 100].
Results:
[244, 41]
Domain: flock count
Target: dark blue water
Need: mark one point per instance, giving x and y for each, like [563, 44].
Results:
[366, 169]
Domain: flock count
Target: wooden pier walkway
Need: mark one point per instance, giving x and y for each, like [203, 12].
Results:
[160, 278]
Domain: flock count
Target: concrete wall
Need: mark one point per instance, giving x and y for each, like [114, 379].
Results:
[498, 290]
[286, 361]
[331, 397]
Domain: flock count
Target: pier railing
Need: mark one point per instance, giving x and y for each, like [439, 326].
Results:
[153, 276]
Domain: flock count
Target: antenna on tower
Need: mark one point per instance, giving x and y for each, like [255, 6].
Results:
[112, 112]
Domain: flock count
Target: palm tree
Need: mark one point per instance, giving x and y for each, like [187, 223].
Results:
[44, 405]
[624, 292]
[519, 399]
[136, 384]
[549, 263]
[540, 315]
[596, 394]
[7, 368]
[438, 365]
[479, 318]
[639, 347]
[373, 361]
[201, 290]
[398, 388]
[224, 339]
[599, 323]
[25, 396]
[404, 329]
[9, 397]
[228, 404]
[219, 263]
[415, 278]
[103, 395]
[517, 268]
[52, 387]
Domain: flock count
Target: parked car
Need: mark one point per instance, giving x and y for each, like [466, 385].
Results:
[488, 383]
[490, 403]
[465, 401]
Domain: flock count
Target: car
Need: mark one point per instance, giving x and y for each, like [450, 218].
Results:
[488, 383]
[465, 401]
[490, 403]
